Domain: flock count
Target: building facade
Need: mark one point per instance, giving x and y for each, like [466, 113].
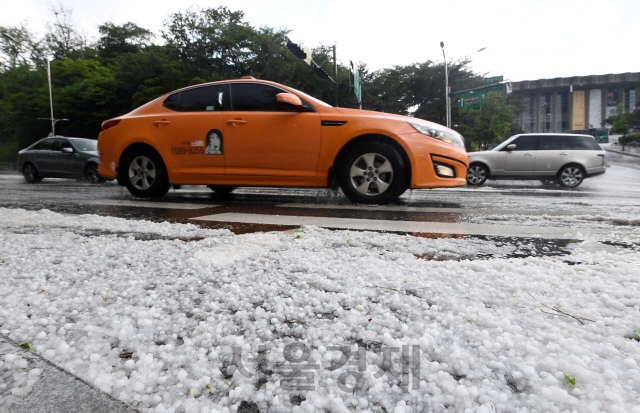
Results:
[574, 103]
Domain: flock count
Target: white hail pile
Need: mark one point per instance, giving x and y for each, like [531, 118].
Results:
[155, 322]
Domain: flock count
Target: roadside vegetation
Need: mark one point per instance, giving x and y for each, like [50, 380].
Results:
[128, 65]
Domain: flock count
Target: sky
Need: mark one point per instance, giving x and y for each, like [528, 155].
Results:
[524, 39]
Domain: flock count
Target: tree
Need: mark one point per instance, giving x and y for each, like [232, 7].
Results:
[488, 124]
[115, 40]
[620, 125]
[63, 40]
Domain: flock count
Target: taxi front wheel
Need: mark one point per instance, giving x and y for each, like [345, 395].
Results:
[146, 175]
[373, 173]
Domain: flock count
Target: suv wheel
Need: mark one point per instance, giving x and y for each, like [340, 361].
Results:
[477, 174]
[571, 176]
[31, 174]
[145, 174]
[373, 173]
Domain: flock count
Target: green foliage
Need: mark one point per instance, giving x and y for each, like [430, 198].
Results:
[124, 69]
[569, 380]
[28, 346]
[489, 124]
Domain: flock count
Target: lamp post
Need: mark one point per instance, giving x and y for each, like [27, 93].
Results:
[48, 67]
[446, 81]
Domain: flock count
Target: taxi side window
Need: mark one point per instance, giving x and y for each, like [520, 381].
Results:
[200, 99]
[45, 145]
[553, 143]
[255, 97]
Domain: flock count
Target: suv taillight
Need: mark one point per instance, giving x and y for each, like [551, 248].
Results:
[109, 124]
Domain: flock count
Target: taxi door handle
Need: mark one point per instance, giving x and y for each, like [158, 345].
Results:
[161, 122]
[236, 121]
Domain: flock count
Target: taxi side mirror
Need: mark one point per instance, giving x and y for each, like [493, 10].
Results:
[511, 147]
[289, 101]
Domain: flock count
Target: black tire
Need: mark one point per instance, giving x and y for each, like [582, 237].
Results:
[91, 174]
[222, 189]
[373, 173]
[477, 174]
[145, 174]
[571, 176]
[31, 173]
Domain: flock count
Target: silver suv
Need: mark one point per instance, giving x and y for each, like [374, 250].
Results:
[545, 156]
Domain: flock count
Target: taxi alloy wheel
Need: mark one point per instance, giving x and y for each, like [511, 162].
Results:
[571, 176]
[374, 173]
[146, 175]
[31, 174]
[476, 175]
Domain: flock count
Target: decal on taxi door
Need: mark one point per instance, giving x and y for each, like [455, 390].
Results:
[214, 142]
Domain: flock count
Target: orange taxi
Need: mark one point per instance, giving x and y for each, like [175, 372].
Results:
[250, 132]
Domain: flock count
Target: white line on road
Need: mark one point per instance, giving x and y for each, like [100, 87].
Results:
[148, 204]
[407, 226]
[395, 208]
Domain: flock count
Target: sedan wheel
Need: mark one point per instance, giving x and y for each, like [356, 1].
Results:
[31, 174]
[91, 174]
[571, 176]
[476, 175]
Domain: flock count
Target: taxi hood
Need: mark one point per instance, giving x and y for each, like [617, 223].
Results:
[387, 116]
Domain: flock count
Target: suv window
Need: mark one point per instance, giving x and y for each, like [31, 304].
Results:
[58, 144]
[255, 97]
[199, 99]
[583, 143]
[526, 143]
[45, 145]
[553, 143]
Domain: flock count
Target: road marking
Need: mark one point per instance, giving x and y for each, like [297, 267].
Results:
[149, 204]
[395, 208]
[408, 226]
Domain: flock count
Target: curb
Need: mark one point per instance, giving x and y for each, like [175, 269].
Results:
[58, 390]
[624, 153]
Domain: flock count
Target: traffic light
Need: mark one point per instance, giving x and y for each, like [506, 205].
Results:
[296, 50]
[320, 71]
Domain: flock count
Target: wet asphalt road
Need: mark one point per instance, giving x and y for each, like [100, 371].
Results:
[489, 210]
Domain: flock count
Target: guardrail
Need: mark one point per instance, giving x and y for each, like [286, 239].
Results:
[8, 167]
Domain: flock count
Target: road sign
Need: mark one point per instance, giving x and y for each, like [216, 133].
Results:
[356, 85]
[307, 51]
[475, 99]
[492, 80]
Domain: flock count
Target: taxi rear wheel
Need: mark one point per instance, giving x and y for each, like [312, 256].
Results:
[145, 174]
[373, 173]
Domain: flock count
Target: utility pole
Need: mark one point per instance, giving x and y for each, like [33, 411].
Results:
[335, 76]
[446, 87]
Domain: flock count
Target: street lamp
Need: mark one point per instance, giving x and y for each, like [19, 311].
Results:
[446, 81]
[52, 119]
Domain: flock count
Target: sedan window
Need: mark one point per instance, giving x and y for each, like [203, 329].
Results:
[58, 144]
[526, 143]
[44, 145]
[553, 143]
[200, 99]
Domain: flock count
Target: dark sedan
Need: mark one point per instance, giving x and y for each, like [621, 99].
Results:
[60, 157]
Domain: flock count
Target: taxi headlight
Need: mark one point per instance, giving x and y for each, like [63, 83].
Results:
[442, 135]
